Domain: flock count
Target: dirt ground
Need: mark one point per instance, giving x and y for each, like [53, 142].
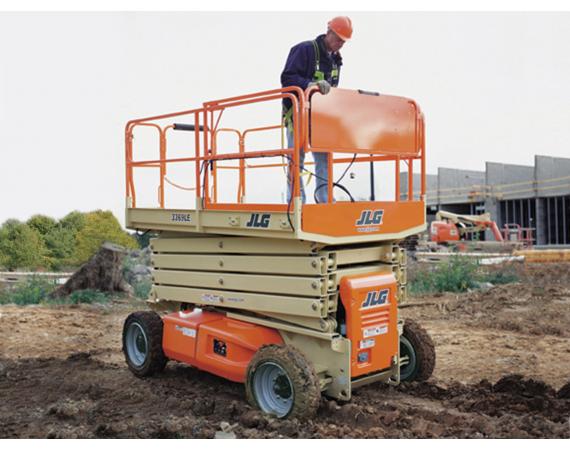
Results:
[502, 370]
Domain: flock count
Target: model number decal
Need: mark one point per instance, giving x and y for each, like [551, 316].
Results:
[180, 217]
[190, 332]
[211, 298]
[258, 221]
[375, 298]
[367, 343]
[375, 331]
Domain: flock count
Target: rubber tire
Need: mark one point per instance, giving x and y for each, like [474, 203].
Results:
[424, 348]
[151, 323]
[306, 385]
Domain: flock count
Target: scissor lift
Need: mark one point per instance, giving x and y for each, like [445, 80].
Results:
[291, 299]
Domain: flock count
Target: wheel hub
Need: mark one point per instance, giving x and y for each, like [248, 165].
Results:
[137, 344]
[406, 349]
[273, 389]
[281, 387]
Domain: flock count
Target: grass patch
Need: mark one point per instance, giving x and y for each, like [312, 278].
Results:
[459, 274]
[501, 276]
[35, 290]
[142, 289]
[30, 291]
[85, 296]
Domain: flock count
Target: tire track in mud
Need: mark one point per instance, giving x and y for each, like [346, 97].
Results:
[83, 397]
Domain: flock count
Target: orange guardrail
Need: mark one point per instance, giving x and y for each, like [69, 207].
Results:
[370, 126]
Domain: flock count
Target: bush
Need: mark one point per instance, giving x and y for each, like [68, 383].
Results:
[88, 296]
[35, 290]
[456, 275]
[459, 274]
[142, 288]
[21, 246]
[30, 291]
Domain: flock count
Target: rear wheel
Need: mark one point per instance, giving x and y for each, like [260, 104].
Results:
[142, 343]
[417, 351]
[282, 382]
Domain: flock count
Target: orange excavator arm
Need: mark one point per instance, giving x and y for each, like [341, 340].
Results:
[495, 229]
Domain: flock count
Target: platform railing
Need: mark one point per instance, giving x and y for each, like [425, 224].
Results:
[207, 159]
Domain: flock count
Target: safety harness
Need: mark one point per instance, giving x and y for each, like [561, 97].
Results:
[318, 75]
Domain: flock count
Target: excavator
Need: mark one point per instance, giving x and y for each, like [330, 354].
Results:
[451, 230]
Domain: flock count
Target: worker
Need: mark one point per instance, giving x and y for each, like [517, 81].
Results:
[318, 63]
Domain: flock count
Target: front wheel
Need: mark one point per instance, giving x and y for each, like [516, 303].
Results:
[417, 353]
[282, 382]
[142, 343]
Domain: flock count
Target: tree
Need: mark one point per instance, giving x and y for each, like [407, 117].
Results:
[42, 224]
[60, 243]
[20, 246]
[100, 226]
[74, 221]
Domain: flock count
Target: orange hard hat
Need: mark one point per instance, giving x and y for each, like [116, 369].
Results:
[342, 26]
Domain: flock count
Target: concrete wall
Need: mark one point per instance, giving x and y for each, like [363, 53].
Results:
[509, 181]
[431, 186]
[506, 182]
[460, 186]
[552, 176]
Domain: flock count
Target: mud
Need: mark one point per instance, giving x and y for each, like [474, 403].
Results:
[82, 397]
[62, 375]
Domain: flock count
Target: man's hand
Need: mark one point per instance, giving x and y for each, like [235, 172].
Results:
[323, 85]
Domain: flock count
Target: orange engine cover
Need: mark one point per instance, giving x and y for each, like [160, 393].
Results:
[212, 342]
[371, 320]
[443, 231]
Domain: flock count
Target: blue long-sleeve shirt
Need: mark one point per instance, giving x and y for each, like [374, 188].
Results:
[301, 65]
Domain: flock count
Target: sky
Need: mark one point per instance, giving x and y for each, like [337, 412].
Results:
[493, 87]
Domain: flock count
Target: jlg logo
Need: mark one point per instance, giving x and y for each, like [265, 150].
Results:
[259, 221]
[375, 298]
[368, 217]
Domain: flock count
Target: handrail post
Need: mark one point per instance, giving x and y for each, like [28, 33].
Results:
[129, 185]
[214, 140]
[296, 154]
[197, 152]
[241, 188]
[410, 179]
[397, 178]
[423, 144]
[206, 162]
[330, 177]
[162, 166]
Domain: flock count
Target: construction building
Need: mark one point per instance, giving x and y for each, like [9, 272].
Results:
[533, 197]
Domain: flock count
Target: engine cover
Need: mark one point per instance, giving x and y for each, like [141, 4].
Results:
[371, 320]
[212, 342]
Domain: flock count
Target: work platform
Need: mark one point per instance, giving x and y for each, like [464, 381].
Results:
[329, 224]
[353, 127]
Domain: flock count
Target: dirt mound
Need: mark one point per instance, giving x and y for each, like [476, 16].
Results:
[519, 307]
[105, 400]
[538, 304]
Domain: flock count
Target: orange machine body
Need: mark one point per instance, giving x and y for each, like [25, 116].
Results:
[362, 218]
[441, 231]
[345, 120]
[371, 311]
[212, 342]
